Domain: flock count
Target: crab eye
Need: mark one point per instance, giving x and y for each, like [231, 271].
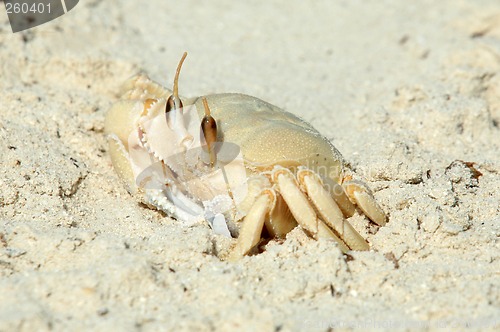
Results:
[173, 103]
[209, 129]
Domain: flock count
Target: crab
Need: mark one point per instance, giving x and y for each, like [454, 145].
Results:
[232, 159]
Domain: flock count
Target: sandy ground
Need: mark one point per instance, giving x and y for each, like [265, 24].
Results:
[409, 93]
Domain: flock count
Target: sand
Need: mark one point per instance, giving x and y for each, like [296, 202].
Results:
[409, 92]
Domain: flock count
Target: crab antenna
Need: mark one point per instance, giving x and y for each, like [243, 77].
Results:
[209, 129]
[176, 79]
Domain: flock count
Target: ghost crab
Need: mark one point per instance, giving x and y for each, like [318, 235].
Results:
[229, 157]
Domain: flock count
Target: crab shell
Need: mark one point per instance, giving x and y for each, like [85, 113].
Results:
[163, 159]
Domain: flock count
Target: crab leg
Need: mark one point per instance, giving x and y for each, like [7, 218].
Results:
[364, 199]
[340, 197]
[329, 210]
[121, 163]
[280, 221]
[325, 232]
[141, 87]
[253, 223]
[296, 200]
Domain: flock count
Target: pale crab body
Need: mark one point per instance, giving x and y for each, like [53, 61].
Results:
[265, 166]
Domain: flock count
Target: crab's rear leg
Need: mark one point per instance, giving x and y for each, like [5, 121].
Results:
[341, 199]
[296, 200]
[362, 196]
[302, 210]
[281, 220]
[329, 211]
[325, 232]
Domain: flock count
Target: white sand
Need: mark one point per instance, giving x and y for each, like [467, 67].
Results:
[407, 92]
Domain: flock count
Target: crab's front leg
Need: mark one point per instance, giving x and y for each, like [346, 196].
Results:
[251, 230]
[141, 87]
[125, 147]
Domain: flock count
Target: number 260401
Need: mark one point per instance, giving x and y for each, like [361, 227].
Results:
[25, 8]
